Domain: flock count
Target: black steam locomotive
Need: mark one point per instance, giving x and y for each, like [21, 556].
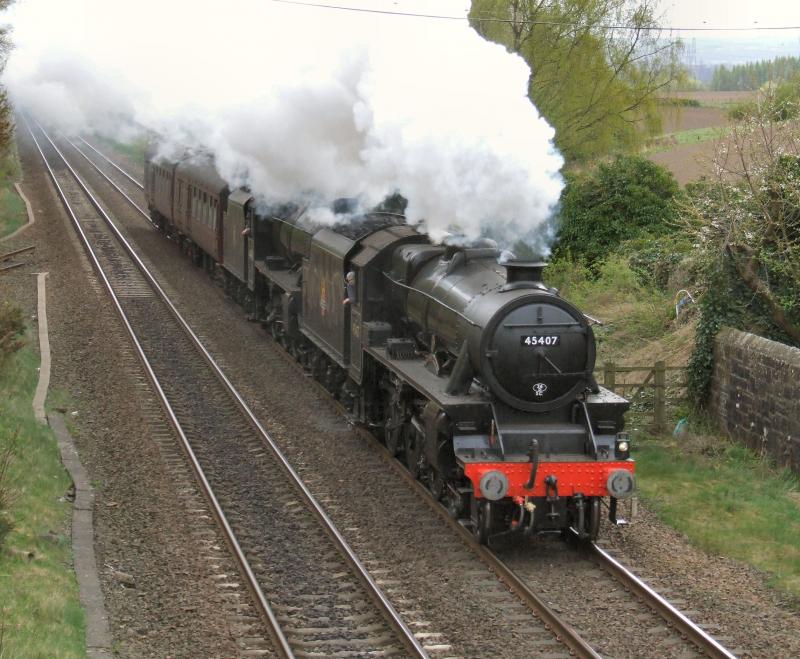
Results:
[474, 373]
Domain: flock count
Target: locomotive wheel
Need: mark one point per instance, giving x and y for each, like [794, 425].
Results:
[483, 524]
[413, 450]
[393, 437]
[593, 519]
[435, 483]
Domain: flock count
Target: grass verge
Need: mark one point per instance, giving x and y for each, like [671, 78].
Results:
[134, 150]
[39, 606]
[726, 501]
[693, 136]
[12, 208]
[632, 314]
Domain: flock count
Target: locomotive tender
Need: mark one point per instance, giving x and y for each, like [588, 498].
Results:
[474, 373]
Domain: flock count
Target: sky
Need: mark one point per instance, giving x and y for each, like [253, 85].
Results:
[731, 13]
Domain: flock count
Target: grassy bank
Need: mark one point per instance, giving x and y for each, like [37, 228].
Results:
[633, 315]
[12, 209]
[727, 502]
[39, 607]
[134, 150]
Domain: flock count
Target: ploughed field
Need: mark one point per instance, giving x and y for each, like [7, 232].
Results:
[686, 146]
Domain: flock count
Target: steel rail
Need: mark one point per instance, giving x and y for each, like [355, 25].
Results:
[562, 629]
[277, 635]
[137, 183]
[102, 173]
[700, 638]
[398, 624]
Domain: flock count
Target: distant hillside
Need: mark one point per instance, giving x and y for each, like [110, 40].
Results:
[753, 75]
[703, 52]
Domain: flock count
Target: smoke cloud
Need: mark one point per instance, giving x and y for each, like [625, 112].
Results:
[297, 101]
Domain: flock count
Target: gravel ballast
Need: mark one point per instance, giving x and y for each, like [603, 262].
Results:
[729, 598]
[158, 587]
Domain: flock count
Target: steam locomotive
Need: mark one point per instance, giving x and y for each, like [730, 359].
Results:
[471, 371]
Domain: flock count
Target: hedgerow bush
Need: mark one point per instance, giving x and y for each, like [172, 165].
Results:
[748, 233]
[781, 101]
[12, 326]
[621, 200]
[7, 493]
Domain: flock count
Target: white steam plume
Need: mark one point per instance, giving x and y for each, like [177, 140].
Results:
[294, 100]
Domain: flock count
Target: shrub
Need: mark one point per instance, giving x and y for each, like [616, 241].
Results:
[657, 259]
[749, 238]
[7, 494]
[778, 102]
[680, 102]
[12, 326]
[621, 200]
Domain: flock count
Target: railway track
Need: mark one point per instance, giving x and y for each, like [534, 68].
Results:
[311, 590]
[557, 637]
[680, 636]
[626, 613]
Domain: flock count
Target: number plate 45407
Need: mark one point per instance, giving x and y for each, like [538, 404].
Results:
[550, 340]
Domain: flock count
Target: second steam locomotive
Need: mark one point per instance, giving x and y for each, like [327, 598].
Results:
[471, 371]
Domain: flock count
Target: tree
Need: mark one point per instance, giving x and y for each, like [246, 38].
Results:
[754, 75]
[748, 220]
[620, 200]
[596, 66]
[6, 120]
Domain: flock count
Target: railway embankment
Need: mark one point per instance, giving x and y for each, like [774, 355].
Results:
[40, 612]
[13, 216]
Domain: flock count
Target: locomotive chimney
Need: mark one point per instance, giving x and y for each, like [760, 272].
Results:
[524, 271]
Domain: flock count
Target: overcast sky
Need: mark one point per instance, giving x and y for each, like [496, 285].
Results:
[677, 13]
[731, 13]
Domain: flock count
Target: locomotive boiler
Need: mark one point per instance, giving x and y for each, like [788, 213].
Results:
[471, 371]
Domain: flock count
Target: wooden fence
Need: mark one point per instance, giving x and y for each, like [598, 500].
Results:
[653, 391]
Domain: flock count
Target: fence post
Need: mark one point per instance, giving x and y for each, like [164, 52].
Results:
[660, 402]
[609, 376]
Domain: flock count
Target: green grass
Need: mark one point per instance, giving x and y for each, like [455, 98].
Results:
[727, 502]
[134, 150]
[39, 606]
[632, 314]
[694, 136]
[12, 208]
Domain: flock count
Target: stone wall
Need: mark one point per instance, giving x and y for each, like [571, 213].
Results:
[754, 394]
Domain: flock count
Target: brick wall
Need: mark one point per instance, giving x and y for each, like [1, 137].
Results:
[754, 394]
